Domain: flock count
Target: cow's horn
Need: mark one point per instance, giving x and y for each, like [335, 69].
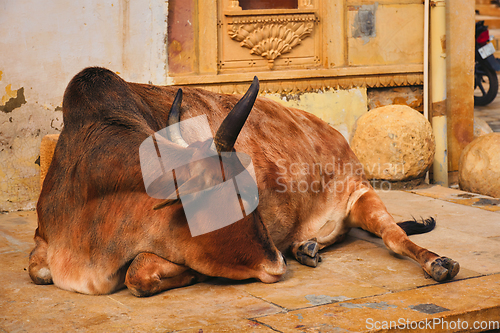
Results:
[174, 116]
[231, 126]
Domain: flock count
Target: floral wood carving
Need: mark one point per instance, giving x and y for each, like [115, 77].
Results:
[270, 37]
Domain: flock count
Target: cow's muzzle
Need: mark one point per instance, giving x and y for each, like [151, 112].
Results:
[273, 271]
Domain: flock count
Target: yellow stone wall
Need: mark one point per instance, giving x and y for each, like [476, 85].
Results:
[339, 108]
[398, 36]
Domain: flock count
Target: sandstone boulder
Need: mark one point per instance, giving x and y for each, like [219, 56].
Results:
[479, 166]
[394, 143]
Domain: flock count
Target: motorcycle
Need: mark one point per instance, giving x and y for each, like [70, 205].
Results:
[485, 76]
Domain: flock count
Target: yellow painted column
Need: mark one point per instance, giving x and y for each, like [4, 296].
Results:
[438, 90]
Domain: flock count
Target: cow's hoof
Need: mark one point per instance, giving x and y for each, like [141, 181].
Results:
[307, 253]
[444, 269]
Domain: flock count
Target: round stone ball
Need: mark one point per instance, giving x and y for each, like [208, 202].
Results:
[394, 143]
[479, 166]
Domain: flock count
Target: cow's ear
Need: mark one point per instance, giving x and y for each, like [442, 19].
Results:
[166, 203]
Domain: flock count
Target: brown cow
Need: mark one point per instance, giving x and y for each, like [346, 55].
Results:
[97, 230]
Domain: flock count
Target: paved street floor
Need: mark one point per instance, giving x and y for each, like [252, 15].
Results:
[359, 285]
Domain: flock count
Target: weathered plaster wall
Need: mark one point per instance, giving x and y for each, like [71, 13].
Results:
[412, 96]
[45, 43]
[339, 108]
[385, 34]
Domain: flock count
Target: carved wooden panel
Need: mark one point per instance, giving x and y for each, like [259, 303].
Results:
[296, 86]
[269, 40]
[321, 44]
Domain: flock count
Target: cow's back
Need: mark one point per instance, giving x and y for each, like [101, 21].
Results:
[300, 161]
[93, 202]
[305, 169]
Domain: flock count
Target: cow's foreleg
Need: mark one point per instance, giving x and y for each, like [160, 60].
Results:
[306, 252]
[39, 268]
[370, 214]
[149, 274]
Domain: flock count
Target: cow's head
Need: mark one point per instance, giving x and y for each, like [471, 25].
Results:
[242, 249]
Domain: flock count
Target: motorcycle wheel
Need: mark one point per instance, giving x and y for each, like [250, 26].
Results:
[485, 85]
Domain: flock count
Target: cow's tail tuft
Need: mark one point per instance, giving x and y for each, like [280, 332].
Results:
[414, 227]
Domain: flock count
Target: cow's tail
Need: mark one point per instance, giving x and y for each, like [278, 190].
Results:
[414, 227]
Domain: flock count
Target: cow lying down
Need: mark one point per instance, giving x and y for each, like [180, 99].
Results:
[98, 229]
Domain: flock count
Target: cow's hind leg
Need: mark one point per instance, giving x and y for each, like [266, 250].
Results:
[149, 274]
[39, 268]
[370, 214]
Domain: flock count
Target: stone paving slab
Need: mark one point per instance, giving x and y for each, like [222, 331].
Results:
[460, 197]
[358, 280]
[403, 310]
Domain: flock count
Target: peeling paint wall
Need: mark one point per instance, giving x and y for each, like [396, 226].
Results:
[12, 99]
[412, 96]
[339, 108]
[43, 45]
